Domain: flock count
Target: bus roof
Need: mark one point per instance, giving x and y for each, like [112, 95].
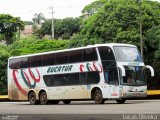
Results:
[65, 50]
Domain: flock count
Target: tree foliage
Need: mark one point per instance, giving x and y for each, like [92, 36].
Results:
[38, 18]
[9, 25]
[92, 8]
[63, 28]
[33, 45]
[118, 21]
[3, 69]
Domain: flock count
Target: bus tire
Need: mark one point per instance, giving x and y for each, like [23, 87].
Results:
[66, 101]
[121, 101]
[43, 98]
[98, 97]
[54, 102]
[32, 98]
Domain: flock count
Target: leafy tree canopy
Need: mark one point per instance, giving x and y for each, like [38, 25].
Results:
[118, 21]
[92, 8]
[3, 68]
[38, 18]
[9, 25]
[33, 45]
[63, 28]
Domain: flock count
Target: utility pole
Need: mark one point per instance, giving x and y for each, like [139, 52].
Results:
[52, 27]
[140, 26]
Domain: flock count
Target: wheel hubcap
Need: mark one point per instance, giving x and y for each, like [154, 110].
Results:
[32, 99]
[97, 97]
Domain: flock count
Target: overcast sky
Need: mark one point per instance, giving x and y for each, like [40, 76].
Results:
[27, 8]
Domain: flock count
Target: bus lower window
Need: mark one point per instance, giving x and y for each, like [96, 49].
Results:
[61, 80]
[93, 77]
[72, 79]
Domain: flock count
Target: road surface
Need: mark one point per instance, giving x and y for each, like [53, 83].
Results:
[82, 109]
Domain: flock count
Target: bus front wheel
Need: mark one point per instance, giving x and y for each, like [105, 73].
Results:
[121, 101]
[98, 97]
[66, 101]
[43, 98]
[32, 98]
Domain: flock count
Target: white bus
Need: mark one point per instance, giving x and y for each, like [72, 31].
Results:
[96, 72]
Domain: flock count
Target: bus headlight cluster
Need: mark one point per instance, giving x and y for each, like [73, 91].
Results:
[123, 93]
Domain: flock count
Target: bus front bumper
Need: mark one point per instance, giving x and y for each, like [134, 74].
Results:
[133, 95]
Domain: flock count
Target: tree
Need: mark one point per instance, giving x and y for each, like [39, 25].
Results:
[63, 28]
[9, 25]
[92, 8]
[118, 21]
[32, 44]
[3, 69]
[153, 41]
[38, 18]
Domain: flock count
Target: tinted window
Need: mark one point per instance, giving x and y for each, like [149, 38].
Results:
[113, 76]
[62, 80]
[93, 77]
[106, 53]
[75, 56]
[108, 64]
[25, 62]
[71, 79]
[49, 59]
[61, 58]
[89, 78]
[83, 78]
[89, 54]
[36, 61]
[14, 63]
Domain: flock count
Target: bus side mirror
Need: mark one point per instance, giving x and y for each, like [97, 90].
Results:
[122, 69]
[150, 68]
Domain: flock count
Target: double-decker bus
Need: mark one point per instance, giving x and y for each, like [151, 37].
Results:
[95, 72]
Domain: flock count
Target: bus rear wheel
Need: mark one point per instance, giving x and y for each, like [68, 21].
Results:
[66, 101]
[121, 101]
[32, 98]
[98, 98]
[43, 98]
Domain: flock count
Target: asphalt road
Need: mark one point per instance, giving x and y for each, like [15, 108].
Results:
[80, 109]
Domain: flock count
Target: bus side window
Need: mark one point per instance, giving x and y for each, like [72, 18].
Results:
[89, 54]
[48, 59]
[61, 58]
[106, 76]
[113, 77]
[107, 58]
[36, 61]
[106, 53]
[14, 63]
[25, 62]
[83, 78]
[75, 56]
[93, 77]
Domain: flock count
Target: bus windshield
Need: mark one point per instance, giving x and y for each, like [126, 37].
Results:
[127, 54]
[134, 76]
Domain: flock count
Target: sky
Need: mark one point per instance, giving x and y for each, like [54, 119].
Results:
[25, 9]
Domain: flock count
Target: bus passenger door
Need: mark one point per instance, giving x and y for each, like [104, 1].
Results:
[113, 83]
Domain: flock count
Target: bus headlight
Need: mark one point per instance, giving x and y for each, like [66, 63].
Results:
[123, 93]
